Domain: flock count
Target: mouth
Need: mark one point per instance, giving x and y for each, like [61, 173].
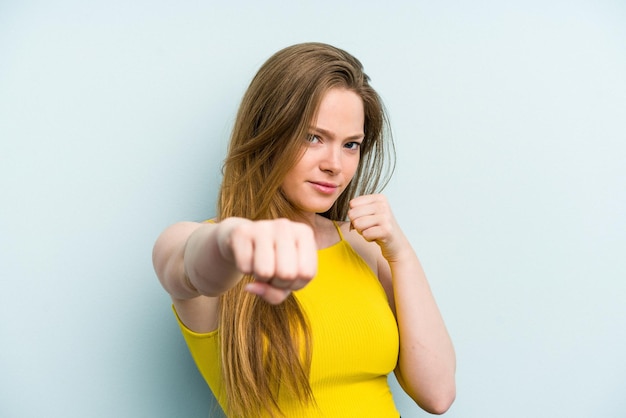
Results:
[323, 187]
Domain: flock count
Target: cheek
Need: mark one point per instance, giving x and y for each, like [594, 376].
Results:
[352, 168]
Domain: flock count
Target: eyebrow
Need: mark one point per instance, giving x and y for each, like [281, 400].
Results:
[330, 134]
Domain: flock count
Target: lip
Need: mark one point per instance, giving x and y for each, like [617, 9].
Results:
[323, 187]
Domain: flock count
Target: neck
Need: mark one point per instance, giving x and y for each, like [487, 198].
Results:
[311, 219]
[323, 228]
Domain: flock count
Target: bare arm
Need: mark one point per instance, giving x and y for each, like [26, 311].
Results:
[197, 262]
[180, 268]
[426, 363]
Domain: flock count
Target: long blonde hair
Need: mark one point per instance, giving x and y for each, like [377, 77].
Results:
[267, 347]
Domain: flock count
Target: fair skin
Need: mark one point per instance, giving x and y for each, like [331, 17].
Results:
[196, 262]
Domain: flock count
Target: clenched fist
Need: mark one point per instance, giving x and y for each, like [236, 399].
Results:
[280, 254]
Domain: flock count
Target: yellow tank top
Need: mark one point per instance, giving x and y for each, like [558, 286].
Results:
[355, 341]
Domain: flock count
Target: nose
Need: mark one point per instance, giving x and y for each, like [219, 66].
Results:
[331, 161]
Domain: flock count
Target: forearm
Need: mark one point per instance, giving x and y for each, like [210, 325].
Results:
[426, 363]
[206, 267]
[188, 261]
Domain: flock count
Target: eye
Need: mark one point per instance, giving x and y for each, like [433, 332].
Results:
[353, 145]
[312, 138]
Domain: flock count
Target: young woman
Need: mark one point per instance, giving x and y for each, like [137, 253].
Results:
[303, 294]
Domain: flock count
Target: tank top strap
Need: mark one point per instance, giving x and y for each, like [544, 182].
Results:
[338, 230]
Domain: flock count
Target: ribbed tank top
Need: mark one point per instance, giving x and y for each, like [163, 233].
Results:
[355, 341]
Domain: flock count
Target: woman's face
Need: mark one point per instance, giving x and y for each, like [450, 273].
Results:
[332, 153]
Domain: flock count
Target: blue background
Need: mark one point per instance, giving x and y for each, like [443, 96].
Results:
[510, 126]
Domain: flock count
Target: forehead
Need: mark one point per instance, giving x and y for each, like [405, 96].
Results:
[340, 111]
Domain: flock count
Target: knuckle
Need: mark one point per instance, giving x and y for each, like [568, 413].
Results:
[286, 274]
[282, 223]
[263, 273]
[308, 233]
[263, 277]
[243, 230]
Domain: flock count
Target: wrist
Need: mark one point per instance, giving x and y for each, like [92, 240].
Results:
[190, 287]
[224, 236]
[398, 250]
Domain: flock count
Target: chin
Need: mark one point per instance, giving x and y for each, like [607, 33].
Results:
[318, 209]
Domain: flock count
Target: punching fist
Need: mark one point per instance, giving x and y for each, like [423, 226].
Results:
[280, 254]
